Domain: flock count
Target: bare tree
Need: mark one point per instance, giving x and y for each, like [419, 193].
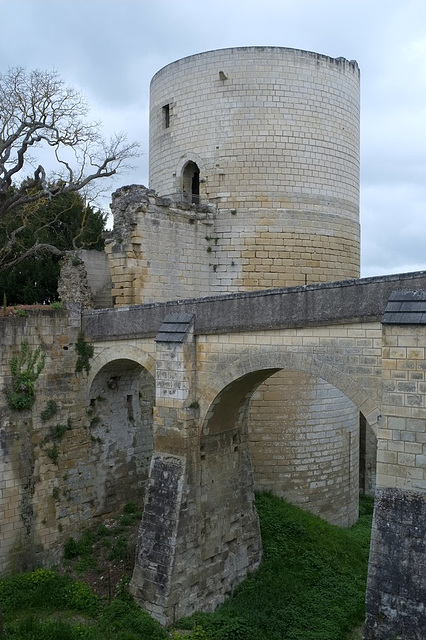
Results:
[39, 112]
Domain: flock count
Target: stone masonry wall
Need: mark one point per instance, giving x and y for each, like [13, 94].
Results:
[62, 468]
[402, 434]
[268, 127]
[29, 473]
[160, 252]
[304, 437]
[396, 588]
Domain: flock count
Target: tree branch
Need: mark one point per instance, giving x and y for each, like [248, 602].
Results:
[37, 110]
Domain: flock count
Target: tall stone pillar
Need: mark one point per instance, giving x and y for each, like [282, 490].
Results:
[199, 534]
[163, 534]
[396, 590]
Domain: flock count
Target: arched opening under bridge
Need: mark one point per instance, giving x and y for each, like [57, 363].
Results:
[121, 400]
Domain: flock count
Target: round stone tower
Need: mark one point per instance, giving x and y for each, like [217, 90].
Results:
[271, 135]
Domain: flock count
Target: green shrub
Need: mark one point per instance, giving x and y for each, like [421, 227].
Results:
[124, 616]
[130, 507]
[30, 628]
[50, 410]
[25, 370]
[82, 547]
[84, 351]
[42, 588]
[53, 453]
[79, 597]
[58, 306]
[118, 549]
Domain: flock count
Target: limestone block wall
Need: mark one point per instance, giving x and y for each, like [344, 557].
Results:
[268, 127]
[260, 249]
[158, 251]
[29, 525]
[274, 133]
[98, 277]
[161, 251]
[304, 442]
[396, 588]
[402, 434]
[61, 469]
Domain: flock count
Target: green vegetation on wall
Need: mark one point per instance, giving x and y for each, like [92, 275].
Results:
[25, 370]
[84, 353]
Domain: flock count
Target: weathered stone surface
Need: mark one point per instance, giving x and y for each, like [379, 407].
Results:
[397, 574]
[328, 303]
[85, 459]
[151, 582]
[73, 285]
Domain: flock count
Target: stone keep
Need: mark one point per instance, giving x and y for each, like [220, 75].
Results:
[254, 169]
[266, 140]
[271, 135]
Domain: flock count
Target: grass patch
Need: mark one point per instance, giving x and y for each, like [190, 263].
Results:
[310, 586]
[44, 605]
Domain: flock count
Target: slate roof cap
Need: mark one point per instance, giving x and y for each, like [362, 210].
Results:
[406, 307]
[175, 327]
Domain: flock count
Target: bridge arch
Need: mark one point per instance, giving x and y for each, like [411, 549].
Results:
[120, 400]
[119, 352]
[311, 457]
[266, 358]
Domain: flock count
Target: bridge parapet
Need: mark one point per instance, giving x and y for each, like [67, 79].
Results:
[363, 300]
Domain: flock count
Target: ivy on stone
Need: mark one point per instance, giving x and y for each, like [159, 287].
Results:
[25, 370]
[84, 353]
[50, 410]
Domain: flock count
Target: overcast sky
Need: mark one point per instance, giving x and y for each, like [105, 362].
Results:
[110, 49]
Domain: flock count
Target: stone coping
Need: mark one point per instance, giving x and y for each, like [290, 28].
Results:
[326, 303]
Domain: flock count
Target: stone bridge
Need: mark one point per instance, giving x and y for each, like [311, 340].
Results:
[199, 534]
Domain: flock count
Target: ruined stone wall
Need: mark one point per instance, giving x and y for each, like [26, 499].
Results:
[79, 453]
[98, 277]
[158, 250]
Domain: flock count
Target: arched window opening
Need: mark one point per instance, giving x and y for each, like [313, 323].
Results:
[191, 183]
